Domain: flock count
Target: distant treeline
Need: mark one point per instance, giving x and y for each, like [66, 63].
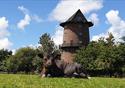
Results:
[104, 57]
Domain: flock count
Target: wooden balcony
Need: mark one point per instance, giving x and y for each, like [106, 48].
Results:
[75, 45]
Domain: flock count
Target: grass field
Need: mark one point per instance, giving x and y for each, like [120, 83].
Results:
[34, 81]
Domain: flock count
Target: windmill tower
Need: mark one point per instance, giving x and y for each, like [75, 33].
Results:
[76, 35]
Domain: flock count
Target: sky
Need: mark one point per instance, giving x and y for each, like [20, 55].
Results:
[22, 22]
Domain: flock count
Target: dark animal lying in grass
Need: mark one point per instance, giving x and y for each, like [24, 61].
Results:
[55, 67]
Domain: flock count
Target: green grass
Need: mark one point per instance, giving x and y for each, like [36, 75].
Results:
[34, 81]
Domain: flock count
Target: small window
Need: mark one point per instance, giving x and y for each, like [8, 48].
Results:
[71, 41]
[64, 41]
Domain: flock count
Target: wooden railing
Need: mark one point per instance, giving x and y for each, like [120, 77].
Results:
[71, 45]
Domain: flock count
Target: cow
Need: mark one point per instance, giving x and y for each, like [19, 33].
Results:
[55, 67]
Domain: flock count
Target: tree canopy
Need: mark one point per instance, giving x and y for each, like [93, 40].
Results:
[103, 55]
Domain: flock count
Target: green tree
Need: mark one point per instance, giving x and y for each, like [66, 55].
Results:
[4, 54]
[103, 55]
[110, 39]
[25, 57]
[24, 60]
[87, 56]
[47, 44]
[12, 64]
[47, 47]
[120, 60]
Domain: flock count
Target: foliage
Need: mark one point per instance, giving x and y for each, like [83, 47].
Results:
[24, 60]
[12, 64]
[37, 63]
[4, 54]
[103, 55]
[27, 59]
[47, 44]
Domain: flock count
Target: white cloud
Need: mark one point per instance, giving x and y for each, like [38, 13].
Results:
[28, 18]
[96, 37]
[13, 51]
[3, 23]
[24, 10]
[37, 18]
[3, 27]
[65, 8]
[58, 36]
[5, 43]
[117, 27]
[94, 18]
[113, 18]
[24, 22]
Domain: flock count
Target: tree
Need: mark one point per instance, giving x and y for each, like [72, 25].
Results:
[87, 56]
[37, 64]
[110, 39]
[47, 47]
[4, 54]
[12, 64]
[47, 44]
[119, 64]
[25, 56]
[103, 56]
[24, 60]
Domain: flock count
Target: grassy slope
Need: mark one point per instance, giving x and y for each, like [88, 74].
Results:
[33, 81]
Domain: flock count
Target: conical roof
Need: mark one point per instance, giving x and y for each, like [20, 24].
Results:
[77, 17]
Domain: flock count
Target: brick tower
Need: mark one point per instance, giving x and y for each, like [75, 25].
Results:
[76, 34]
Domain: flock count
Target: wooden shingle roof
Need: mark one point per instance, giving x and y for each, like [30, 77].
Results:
[77, 17]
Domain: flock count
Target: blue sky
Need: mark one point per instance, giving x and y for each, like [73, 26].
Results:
[22, 22]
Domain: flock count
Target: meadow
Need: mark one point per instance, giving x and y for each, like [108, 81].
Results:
[34, 81]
